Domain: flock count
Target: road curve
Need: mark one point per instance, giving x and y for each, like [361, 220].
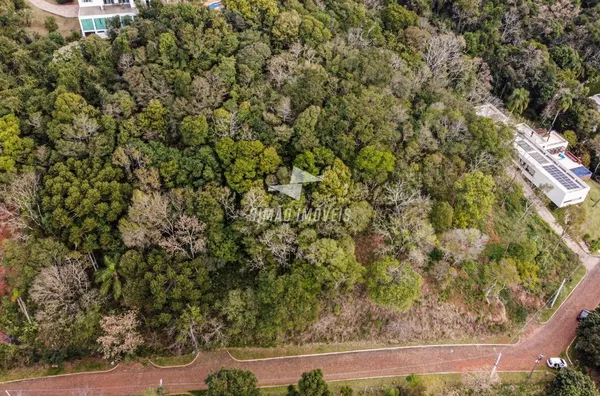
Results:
[550, 339]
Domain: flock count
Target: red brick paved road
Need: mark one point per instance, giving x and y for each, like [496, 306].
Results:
[549, 339]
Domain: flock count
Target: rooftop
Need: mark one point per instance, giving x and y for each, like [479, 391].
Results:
[490, 111]
[546, 163]
[542, 137]
[596, 98]
[107, 11]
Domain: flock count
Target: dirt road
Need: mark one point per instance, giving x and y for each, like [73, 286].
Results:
[550, 339]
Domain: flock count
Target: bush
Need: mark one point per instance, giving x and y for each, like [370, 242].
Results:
[50, 24]
[64, 1]
[570, 382]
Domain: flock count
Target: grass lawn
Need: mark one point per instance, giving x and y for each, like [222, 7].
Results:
[295, 350]
[592, 218]
[432, 384]
[77, 366]
[173, 360]
[547, 313]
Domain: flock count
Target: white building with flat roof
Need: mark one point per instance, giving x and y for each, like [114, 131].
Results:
[94, 14]
[538, 160]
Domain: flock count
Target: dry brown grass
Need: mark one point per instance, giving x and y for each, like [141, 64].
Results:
[357, 318]
[65, 25]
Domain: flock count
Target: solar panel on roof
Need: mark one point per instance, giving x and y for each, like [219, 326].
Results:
[525, 146]
[539, 158]
[562, 177]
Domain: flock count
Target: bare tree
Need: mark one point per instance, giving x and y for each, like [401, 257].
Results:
[62, 293]
[120, 336]
[281, 242]
[460, 245]
[358, 38]
[444, 56]
[157, 219]
[19, 204]
[511, 27]
[402, 220]
[281, 68]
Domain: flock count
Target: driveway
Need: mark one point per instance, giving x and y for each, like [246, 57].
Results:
[62, 10]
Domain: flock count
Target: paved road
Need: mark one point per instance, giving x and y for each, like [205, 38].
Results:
[550, 339]
[63, 10]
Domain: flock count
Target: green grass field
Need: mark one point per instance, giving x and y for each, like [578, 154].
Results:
[592, 218]
[430, 384]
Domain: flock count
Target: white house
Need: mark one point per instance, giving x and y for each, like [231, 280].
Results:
[543, 160]
[94, 14]
[596, 98]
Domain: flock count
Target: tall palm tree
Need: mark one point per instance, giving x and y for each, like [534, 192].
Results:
[518, 100]
[109, 278]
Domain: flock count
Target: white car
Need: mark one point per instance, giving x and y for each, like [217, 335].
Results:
[556, 363]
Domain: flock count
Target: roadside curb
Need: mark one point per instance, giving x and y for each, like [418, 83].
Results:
[177, 365]
[567, 351]
[61, 375]
[369, 351]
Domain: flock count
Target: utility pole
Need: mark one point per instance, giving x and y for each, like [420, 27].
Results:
[537, 361]
[558, 293]
[495, 365]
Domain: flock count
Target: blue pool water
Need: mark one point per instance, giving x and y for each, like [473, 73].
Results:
[212, 6]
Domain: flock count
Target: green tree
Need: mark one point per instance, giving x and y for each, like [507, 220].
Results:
[313, 31]
[151, 121]
[194, 130]
[108, 278]
[571, 382]
[392, 284]
[441, 216]
[77, 129]
[245, 161]
[232, 382]
[587, 344]
[346, 391]
[474, 199]
[312, 383]
[518, 100]
[373, 165]
[14, 150]
[253, 11]
[286, 28]
[396, 17]
[83, 200]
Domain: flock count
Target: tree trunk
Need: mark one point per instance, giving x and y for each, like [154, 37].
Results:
[559, 240]
[23, 309]
[552, 125]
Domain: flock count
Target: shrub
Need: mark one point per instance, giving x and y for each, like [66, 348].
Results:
[50, 24]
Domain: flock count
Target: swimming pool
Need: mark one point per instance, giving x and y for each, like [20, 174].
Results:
[214, 5]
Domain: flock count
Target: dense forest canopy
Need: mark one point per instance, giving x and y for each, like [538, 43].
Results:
[128, 165]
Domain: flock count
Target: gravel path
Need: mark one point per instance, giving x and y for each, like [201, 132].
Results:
[65, 10]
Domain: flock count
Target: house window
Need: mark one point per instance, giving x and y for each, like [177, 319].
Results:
[87, 25]
[100, 23]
